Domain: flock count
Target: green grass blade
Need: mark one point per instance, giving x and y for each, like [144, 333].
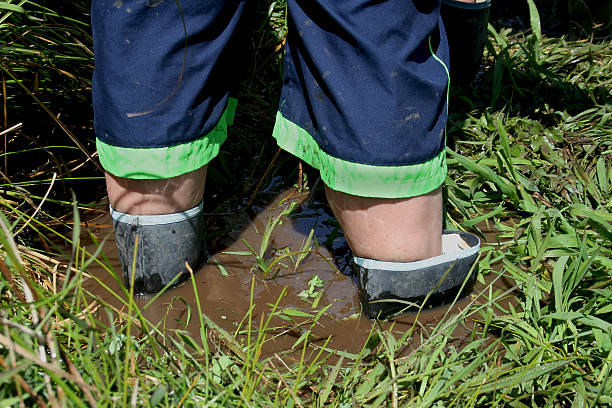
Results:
[487, 174]
[522, 375]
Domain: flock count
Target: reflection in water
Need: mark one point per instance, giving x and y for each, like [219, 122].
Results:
[225, 283]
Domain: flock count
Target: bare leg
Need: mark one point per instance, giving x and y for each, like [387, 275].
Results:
[159, 227]
[403, 229]
[148, 197]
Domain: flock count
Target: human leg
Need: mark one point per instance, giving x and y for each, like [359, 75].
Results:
[390, 229]
[162, 107]
[364, 101]
[465, 22]
[156, 196]
[167, 218]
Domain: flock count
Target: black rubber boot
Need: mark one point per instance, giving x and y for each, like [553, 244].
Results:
[385, 288]
[466, 28]
[165, 243]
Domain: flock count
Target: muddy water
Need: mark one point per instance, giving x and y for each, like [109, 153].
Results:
[225, 293]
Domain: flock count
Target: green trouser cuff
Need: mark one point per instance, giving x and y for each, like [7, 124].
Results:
[166, 162]
[360, 179]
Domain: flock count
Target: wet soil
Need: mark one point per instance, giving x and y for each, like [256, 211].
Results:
[225, 291]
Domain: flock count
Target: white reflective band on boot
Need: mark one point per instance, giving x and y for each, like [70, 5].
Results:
[453, 248]
[156, 219]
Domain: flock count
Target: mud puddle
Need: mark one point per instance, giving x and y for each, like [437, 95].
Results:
[225, 283]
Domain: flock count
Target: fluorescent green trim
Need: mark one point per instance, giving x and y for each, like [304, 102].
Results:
[433, 54]
[360, 179]
[166, 162]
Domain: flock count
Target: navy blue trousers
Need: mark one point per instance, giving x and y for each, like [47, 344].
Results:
[364, 94]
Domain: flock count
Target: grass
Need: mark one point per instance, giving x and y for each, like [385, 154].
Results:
[531, 160]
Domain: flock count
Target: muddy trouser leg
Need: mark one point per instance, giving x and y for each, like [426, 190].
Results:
[161, 96]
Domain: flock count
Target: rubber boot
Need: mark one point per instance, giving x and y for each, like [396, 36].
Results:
[386, 288]
[466, 28]
[165, 243]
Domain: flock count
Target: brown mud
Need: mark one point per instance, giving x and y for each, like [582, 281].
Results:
[225, 292]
